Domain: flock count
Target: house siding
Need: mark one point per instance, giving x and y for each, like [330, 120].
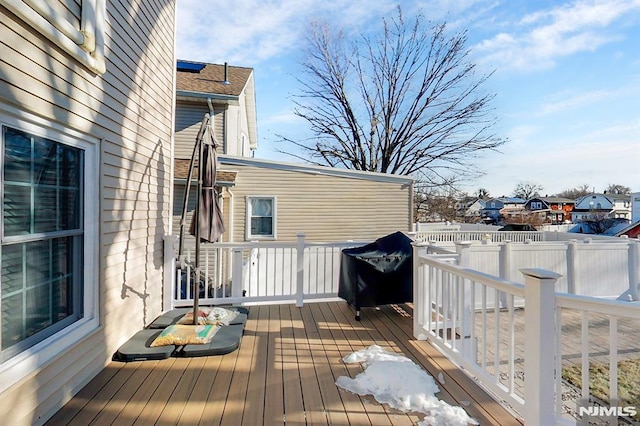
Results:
[323, 207]
[129, 109]
[188, 118]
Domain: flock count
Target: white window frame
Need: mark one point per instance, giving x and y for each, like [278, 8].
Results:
[30, 360]
[85, 44]
[249, 236]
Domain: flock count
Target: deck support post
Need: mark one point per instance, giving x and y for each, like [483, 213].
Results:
[539, 346]
[236, 272]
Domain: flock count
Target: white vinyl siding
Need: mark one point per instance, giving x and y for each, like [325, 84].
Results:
[128, 113]
[324, 207]
[188, 118]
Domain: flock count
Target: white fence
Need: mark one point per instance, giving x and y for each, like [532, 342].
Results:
[452, 236]
[511, 351]
[494, 236]
[600, 268]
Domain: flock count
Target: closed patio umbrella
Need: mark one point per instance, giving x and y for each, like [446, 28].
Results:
[206, 224]
[208, 214]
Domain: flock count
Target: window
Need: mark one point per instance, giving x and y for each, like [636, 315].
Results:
[261, 217]
[48, 243]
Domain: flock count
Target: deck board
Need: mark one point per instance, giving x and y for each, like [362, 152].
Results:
[284, 372]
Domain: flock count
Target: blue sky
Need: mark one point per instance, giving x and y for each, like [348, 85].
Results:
[567, 76]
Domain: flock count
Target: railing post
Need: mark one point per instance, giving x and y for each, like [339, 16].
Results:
[539, 346]
[418, 291]
[463, 248]
[505, 267]
[300, 270]
[634, 269]
[236, 272]
[572, 266]
[169, 272]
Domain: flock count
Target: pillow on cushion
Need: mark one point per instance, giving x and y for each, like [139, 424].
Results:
[185, 335]
[188, 318]
[221, 316]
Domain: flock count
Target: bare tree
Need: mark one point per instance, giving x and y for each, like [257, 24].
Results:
[617, 189]
[527, 190]
[483, 193]
[575, 193]
[436, 203]
[408, 102]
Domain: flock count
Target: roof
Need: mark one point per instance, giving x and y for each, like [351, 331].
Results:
[625, 230]
[211, 77]
[512, 200]
[226, 160]
[181, 170]
[556, 200]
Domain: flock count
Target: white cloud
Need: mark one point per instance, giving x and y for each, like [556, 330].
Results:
[566, 101]
[248, 32]
[550, 34]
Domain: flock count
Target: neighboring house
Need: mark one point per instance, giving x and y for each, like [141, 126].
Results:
[491, 210]
[274, 201]
[599, 206]
[86, 124]
[621, 206]
[604, 226]
[555, 210]
[503, 207]
[270, 200]
[471, 208]
[631, 231]
[227, 93]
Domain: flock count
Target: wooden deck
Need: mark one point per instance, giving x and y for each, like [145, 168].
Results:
[283, 373]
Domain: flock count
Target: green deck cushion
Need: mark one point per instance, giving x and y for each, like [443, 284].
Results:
[138, 347]
[179, 334]
[226, 340]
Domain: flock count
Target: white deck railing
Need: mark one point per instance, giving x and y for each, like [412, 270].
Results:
[261, 272]
[509, 350]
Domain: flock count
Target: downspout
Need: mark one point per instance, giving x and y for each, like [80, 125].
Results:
[210, 110]
[411, 204]
[231, 211]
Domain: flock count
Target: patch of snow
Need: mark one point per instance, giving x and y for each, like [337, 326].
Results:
[396, 380]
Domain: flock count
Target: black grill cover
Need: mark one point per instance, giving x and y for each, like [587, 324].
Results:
[379, 273]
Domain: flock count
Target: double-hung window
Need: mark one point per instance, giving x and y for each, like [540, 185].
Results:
[261, 218]
[45, 250]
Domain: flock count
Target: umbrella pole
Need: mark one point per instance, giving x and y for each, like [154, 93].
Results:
[201, 171]
[197, 150]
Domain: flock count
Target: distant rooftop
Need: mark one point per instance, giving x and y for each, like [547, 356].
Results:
[210, 78]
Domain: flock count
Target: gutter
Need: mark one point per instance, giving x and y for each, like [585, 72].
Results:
[203, 95]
